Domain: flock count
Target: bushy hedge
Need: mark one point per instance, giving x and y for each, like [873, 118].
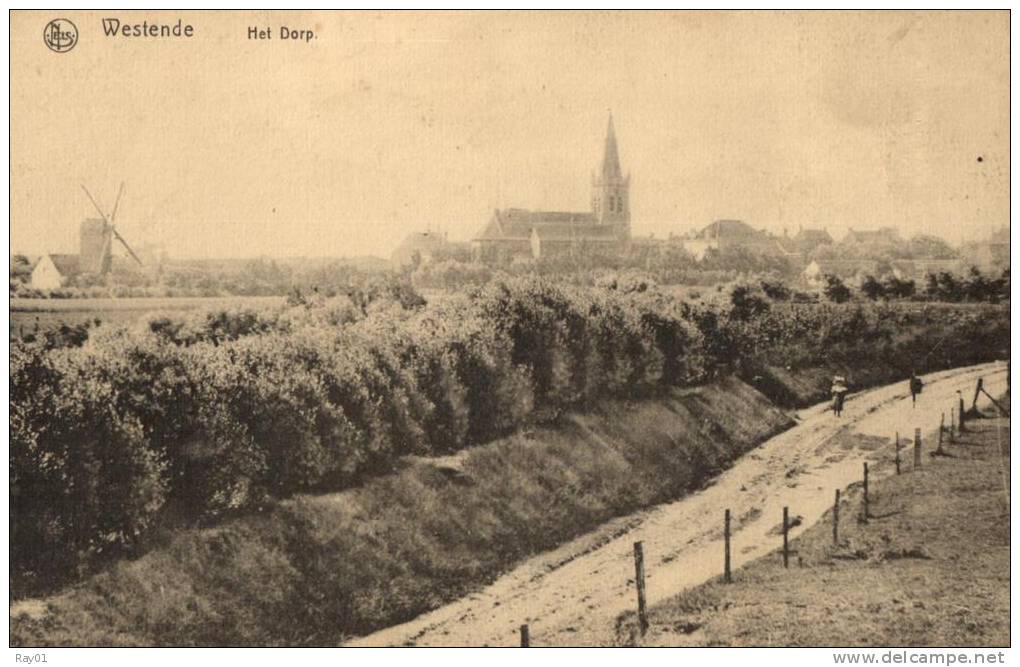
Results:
[195, 418]
[198, 416]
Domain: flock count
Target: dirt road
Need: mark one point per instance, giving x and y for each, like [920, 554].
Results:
[572, 595]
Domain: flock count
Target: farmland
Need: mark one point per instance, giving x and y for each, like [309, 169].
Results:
[29, 316]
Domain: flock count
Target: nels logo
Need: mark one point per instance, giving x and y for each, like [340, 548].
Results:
[60, 35]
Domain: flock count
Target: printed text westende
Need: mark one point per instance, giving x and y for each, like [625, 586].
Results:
[115, 28]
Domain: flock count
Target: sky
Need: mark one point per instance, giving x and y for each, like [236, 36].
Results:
[388, 123]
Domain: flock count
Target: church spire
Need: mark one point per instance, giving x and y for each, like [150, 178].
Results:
[611, 157]
[610, 197]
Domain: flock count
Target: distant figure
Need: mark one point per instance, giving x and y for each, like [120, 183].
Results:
[915, 387]
[839, 391]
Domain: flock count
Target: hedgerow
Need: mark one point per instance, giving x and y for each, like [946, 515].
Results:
[190, 419]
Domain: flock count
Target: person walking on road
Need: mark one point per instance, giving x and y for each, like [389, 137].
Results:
[915, 387]
[839, 391]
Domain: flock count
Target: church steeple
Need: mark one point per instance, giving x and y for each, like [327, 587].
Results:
[610, 200]
[611, 155]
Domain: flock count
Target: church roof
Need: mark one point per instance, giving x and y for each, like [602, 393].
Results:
[517, 223]
[570, 232]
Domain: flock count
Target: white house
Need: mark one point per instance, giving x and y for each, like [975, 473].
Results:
[852, 271]
[418, 246]
[52, 271]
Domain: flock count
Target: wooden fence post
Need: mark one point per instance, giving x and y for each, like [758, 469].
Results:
[639, 578]
[525, 638]
[865, 492]
[1002, 410]
[726, 558]
[952, 427]
[961, 418]
[897, 452]
[977, 390]
[786, 539]
[942, 427]
[835, 520]
[917, 448]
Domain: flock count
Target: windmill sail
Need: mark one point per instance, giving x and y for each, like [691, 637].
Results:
[110, 231]
[116, 203]
[95, 204]
[127, 247]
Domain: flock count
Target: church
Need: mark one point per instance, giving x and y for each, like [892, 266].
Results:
[516, 234]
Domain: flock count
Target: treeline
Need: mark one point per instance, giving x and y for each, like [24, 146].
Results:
[666, 264]
[191, 418]
[452, 274]
[733, 266]
[975, 287]
[206, 278]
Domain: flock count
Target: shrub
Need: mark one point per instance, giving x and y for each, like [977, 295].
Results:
[775, 290]
[872, 288]
[746, 305]
[835, 290]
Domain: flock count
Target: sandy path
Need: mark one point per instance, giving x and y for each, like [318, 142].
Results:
[572, 595]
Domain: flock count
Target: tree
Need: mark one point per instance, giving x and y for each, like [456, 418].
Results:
[872, 288]
[775, 290]
[21, 268]
[835, 290]
[746, 305]
[949, 287]
[977, 287]
[898, 287]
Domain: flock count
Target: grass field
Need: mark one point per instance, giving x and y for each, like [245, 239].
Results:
[931, 568]
[34, 315]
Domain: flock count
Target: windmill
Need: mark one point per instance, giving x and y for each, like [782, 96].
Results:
[97, 238]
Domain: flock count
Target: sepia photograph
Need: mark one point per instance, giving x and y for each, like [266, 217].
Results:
[516, 328]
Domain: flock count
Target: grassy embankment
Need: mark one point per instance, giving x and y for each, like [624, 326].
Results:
[319, 569]
[930, 568]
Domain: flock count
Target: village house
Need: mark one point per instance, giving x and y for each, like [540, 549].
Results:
[881, 236]
[850, 271]
[724, 234]
[918, 268]
[806, 241]
[419, 248]
[54, 271]
[990, 255]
